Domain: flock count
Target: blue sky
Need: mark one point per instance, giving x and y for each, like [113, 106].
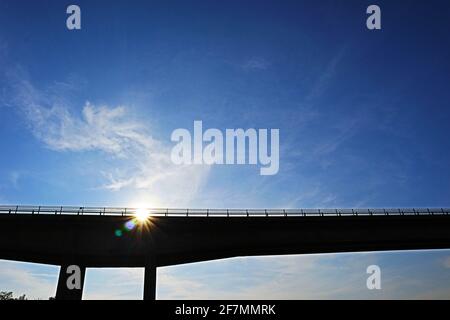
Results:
[363, 117]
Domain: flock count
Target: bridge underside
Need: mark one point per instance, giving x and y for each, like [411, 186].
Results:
[91, 241]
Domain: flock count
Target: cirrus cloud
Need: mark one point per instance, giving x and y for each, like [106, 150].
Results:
[140, 161]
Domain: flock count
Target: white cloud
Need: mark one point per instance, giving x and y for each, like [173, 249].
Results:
[447, 263]
[256, 63]
[323, 81]
[313, 196]
[113, 284]
[273, 277]
[141, 162]
[323, 276]
[14, 177]
[34, 280]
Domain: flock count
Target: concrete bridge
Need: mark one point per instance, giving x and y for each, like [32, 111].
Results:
[150, 238]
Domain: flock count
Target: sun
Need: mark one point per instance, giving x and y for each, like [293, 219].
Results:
[142, 215]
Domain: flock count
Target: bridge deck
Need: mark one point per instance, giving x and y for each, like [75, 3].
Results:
[54, 238]
[88, 237]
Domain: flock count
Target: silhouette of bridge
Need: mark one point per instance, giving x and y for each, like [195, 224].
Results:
[113, 237]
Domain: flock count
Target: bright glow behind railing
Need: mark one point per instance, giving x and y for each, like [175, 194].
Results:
[178, 212]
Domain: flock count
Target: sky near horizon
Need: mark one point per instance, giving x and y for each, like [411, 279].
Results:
[86, 119]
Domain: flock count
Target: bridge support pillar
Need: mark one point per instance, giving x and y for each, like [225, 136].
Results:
[70, 282]
[150, 279]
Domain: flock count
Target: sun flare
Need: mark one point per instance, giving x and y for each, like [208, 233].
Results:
[142, 215]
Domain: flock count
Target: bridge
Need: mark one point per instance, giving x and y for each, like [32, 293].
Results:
[150, 238]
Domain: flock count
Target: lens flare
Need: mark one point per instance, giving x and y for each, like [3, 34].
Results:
[140, 221]
[142, 215]
[130, 225]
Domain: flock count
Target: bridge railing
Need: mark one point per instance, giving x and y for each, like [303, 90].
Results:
[174, 212]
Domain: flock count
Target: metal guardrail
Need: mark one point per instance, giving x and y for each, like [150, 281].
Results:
[166, 212]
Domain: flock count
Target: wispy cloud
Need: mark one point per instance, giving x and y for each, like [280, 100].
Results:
[328, 276]
[113, 284]
[141, 161]
[286, 277]
[323, 276]
[36, 281]
[344, 130]
[14, 177]
[314, 195]
[256, 63]
[446, 262]
[325, 78]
